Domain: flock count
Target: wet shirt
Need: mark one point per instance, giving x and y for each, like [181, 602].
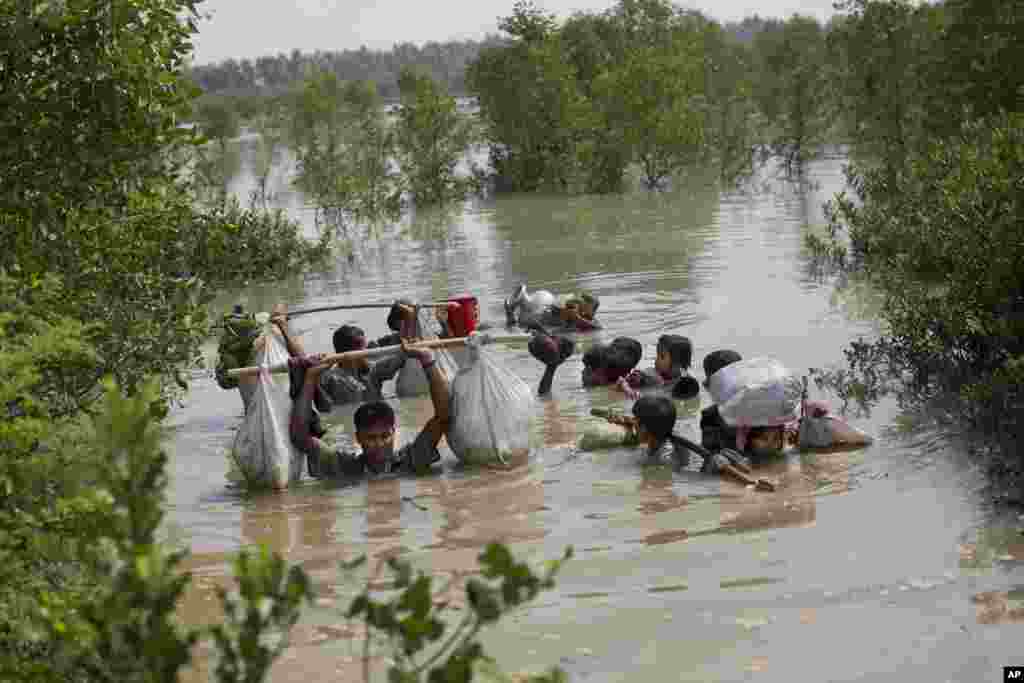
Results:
[409, 459]
[668, 453]
[715, 434]
[347, 385]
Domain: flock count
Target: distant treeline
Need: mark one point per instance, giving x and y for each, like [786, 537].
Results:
[446, 63]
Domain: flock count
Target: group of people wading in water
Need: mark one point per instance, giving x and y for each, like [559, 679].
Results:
[727, 450]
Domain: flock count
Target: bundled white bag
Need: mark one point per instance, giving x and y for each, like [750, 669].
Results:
[759, 392]
[538, 302]
[262, 450]
[490, 411]
[411, 379]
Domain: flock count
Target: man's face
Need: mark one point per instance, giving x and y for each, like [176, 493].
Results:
[586, 310]
[663, 362]
[377, 442]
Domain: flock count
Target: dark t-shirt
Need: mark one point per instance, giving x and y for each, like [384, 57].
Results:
[345, 385]
[715, 434]
[410, 458]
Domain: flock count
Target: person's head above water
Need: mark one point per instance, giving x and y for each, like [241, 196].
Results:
[674, 351]
[585, 304]
[606, 363]
[656, 417]
[630, 346]
[375, 430]
[349, 338]
[716, 360]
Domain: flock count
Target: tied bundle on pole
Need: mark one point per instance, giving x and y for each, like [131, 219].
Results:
[262, 451]
[411, 379]
[491, 409]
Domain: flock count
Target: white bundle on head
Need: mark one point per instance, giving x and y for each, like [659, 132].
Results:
[490, 410]
[759, 392]
[411, 379]
[262, 450]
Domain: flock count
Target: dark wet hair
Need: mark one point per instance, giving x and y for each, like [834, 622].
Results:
[616, 359]
[687, 387]
[370, 414]
[395, 315]
[716, 360]
[656, 414]
[678, 347]
[549, 349]
[630, 346]
[345, 338]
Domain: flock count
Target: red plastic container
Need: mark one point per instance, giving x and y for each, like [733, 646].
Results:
[463, 320]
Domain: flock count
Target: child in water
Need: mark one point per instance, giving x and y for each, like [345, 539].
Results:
[652, 425]
[671, 368]
[816, 428]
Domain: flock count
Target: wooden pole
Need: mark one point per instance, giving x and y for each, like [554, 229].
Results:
[333, 358]
[352, 307]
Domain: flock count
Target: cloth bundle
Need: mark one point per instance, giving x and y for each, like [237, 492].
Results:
[756, 392]
[411, 379]
[262, 450]
[490, 410]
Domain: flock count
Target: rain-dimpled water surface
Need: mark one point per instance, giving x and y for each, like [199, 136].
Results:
[883, 563]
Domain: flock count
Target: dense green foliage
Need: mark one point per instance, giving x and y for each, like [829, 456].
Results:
[107, 265]
[343, 147]
[791, 88]
[934, 109]
[645, 85]
[431, 137]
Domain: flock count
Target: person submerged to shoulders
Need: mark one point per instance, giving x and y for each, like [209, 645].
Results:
[651, 426]
[671, 369]
[359, 379]
[375, 424]
[817, 426]
[575, 313]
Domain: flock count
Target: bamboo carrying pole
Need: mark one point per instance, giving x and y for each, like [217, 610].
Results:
[737, 471]
[352, 307]
[332, 358]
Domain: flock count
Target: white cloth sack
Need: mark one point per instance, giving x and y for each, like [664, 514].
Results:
[262, 450]
[538, 302]
[411, 379]
[490, 411]
[759, 392]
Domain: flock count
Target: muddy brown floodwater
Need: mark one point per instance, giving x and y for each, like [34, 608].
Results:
[879, 564]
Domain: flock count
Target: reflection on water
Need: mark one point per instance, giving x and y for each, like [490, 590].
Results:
[855, 558]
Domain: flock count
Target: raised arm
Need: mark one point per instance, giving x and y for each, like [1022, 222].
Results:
[302, 404]
[279, 317]
[437, 426]
[552, 351]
